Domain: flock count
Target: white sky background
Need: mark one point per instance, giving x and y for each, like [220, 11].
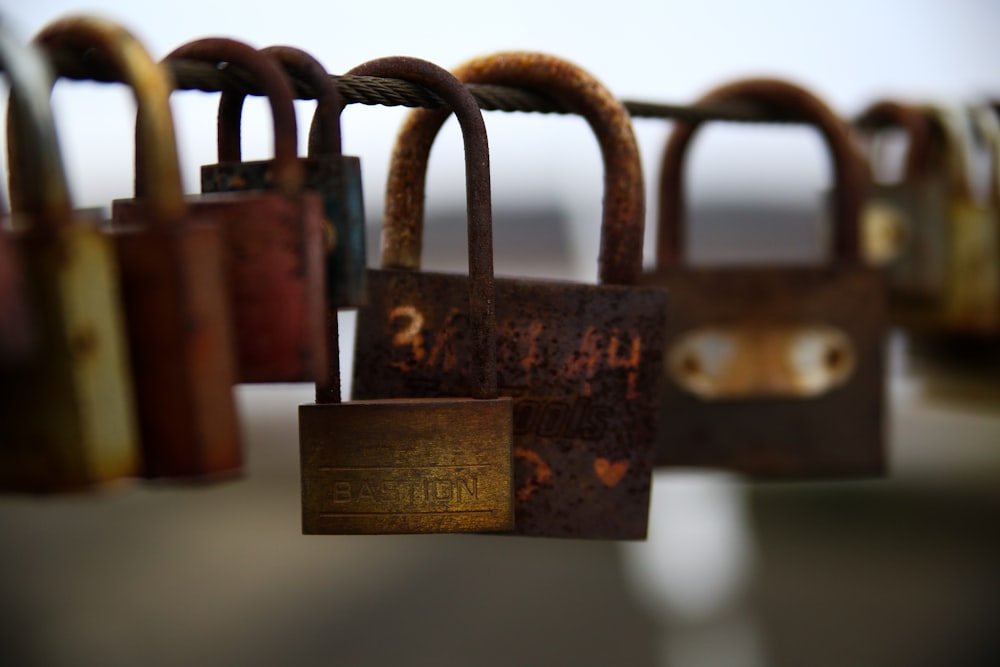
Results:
[849, 53]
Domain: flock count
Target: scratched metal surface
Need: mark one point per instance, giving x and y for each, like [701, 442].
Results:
[840, 433]
[573, 357]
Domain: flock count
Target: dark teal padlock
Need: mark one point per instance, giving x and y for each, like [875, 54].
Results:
[335, 176]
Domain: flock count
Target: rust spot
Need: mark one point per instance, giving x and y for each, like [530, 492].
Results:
[610, 473]
[84, 344]
[542, 475]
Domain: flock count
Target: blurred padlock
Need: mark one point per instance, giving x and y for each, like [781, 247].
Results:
[335, 176]
[67, 418]
[900, 220]
[15, 328]
[419, 465]
[776, 372]
[580, 361]
[273, 236]
[173, 285]
[972, 296]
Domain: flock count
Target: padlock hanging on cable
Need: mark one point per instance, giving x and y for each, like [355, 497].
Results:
[774, 372]
[67, 412]
[402, 464]
[273, 237]
[335, 176]
[26, 70]
[582, 362]
[172, 282]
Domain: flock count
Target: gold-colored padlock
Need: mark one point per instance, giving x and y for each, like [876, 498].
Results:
[420, 465]
[67, 418]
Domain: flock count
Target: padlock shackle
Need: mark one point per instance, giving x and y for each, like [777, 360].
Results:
[888, 113]
[623, 217]
[37, 181]
[266, 73]
[987, 123]
[324, 131]
[952, 132]
[848, 166]
[411, 158]
[112, 45]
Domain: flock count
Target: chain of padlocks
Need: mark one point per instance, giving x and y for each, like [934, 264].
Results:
[480, 404]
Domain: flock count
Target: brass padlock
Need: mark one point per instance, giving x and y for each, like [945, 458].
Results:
[335, 176]
[580, 361]
[67, 418]
[905, 223]
[274, 238]
[776, 372]
[15, 326]
[420, 465]
[173, 285]
[971, 304]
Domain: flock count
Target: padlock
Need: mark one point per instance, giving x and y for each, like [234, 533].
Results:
[970, 308]
[580, 361]
[419, 465]
[895, 230]
[335, 176]
[67, 417]
[772, 371]
[24, 67]
[904, 222]
[173, 285]
[274, 238]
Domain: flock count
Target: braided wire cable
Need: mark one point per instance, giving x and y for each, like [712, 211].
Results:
[193, 75]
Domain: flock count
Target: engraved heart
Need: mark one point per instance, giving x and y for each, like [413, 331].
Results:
[610, 473]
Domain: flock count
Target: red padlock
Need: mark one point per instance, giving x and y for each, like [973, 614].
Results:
[274, 238]
[172, 278]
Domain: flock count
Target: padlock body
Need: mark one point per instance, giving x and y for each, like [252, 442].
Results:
[274, 264]
[581, 363]
[181, 343]
[946, 279]
[406, 466]
[770, 430]
[67, 417]
[338, 181]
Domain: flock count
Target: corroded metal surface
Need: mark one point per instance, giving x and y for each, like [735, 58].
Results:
[580, 361]
[274, 237]
[335, 176]
[620, 261]
[835, 434]
[172, 285]
[67, 417]
[404, 464]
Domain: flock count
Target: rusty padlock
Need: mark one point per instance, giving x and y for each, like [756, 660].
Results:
[335, 176]
[970, 307]
[173, 285]
[581, 361]
[274, 237]
[418, 465]
[67, 418]
[15, 326]
[904, 228]
[776, 372]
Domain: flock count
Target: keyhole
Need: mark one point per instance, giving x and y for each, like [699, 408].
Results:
[834, 357]
[690, 365]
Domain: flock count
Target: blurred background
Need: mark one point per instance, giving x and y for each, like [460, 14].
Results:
[899, 571]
